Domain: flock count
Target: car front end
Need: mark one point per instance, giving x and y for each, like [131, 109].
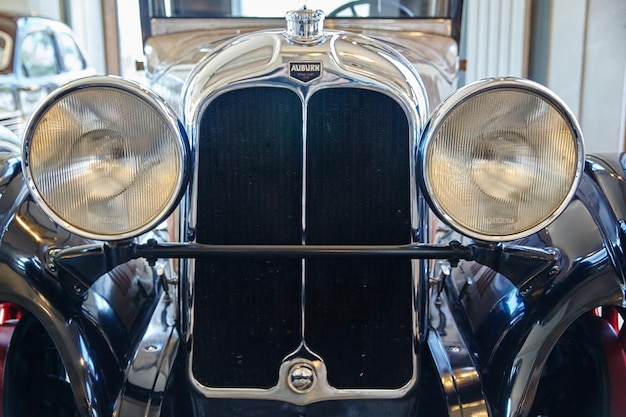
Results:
[299, 224]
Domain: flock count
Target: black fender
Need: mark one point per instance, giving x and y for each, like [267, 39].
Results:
[92, 336]
[513, 325]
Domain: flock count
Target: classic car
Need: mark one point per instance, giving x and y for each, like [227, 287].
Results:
[303, 216]
[37, 55]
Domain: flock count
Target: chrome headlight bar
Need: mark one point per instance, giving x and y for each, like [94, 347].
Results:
[500, 159]
[105, 158]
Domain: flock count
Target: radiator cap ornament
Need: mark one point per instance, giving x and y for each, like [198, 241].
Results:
[305, 26]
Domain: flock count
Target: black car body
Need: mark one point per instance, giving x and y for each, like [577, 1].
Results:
[298, 224]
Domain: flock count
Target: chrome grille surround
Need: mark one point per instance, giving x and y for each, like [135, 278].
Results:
[262, 60]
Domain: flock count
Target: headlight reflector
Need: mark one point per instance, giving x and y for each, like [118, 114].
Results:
[500, 159]
[105, 158]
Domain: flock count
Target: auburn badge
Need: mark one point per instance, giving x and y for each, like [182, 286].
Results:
[305, 71]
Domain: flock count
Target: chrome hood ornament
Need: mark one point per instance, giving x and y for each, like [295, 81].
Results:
[305, 26]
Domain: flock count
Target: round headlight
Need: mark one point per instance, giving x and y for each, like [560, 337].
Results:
[105, 158]
[500, 159]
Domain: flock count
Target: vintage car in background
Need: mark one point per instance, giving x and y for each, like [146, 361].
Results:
[303, 216]
[37, 55]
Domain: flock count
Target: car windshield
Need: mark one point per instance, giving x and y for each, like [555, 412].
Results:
[277, 8]
[6, 46]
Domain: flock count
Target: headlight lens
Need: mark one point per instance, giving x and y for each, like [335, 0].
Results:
[500, 159]
[105, 158]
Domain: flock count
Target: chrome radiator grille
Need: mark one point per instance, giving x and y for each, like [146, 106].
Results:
[342, 179]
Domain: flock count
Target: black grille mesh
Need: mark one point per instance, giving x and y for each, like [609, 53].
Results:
[358, 313]
[247, 312]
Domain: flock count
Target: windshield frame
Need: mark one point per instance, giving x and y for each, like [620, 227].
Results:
[446, 26]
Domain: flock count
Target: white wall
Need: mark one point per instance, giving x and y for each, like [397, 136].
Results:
[575, 47]
[587, 67]
[565, 44]
[131, 49]
[495, 38]
[85, 18]
[45, 8]
[603, 97]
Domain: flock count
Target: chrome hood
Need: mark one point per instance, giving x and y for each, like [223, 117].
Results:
[171, 56]
[280, 57]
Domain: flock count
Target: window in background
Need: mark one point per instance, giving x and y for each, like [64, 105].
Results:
[72, 59]
[131, 48]
[38, 55]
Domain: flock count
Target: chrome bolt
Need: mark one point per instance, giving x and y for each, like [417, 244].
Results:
[302, 378]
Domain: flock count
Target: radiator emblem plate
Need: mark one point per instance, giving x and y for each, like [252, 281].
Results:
[305, 71]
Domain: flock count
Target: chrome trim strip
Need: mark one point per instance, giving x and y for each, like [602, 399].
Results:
[320, 391]
[148, 372]
[459, 376]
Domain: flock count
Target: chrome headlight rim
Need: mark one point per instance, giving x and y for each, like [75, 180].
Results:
[140, 92]
[440, 116]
